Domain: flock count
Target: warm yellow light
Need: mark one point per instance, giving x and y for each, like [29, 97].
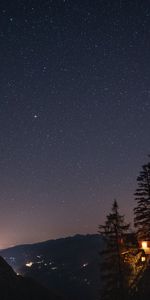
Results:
[144, 245]
[143, 258]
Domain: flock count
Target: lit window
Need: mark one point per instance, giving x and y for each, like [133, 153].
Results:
[144, 245]
[143, 258]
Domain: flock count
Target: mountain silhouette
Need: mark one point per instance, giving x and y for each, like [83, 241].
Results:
[13, 286]
[68, 265]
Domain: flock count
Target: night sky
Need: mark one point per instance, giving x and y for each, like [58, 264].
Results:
[74, 113]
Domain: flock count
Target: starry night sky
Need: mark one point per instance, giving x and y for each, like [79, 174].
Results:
[74, 113]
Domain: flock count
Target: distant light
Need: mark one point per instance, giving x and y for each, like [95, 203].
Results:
[54, 268]
[40, 262]
[144, 245]
[29, 264]
[85, 265]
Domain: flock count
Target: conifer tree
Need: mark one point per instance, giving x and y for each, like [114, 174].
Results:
[112, 266]
[142, 210]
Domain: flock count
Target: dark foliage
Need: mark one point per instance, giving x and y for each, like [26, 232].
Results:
[142, 210]
[113, 269]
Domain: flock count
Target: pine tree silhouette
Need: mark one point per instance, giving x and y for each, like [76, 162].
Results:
[112, 267]
[142, 210]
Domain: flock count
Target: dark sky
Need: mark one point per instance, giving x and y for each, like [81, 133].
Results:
[74, 113]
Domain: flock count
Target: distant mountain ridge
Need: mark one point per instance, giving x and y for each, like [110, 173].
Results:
[57, 240]
[68, 265]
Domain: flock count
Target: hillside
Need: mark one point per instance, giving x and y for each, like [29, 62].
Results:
[68, 265]
[13, 286]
